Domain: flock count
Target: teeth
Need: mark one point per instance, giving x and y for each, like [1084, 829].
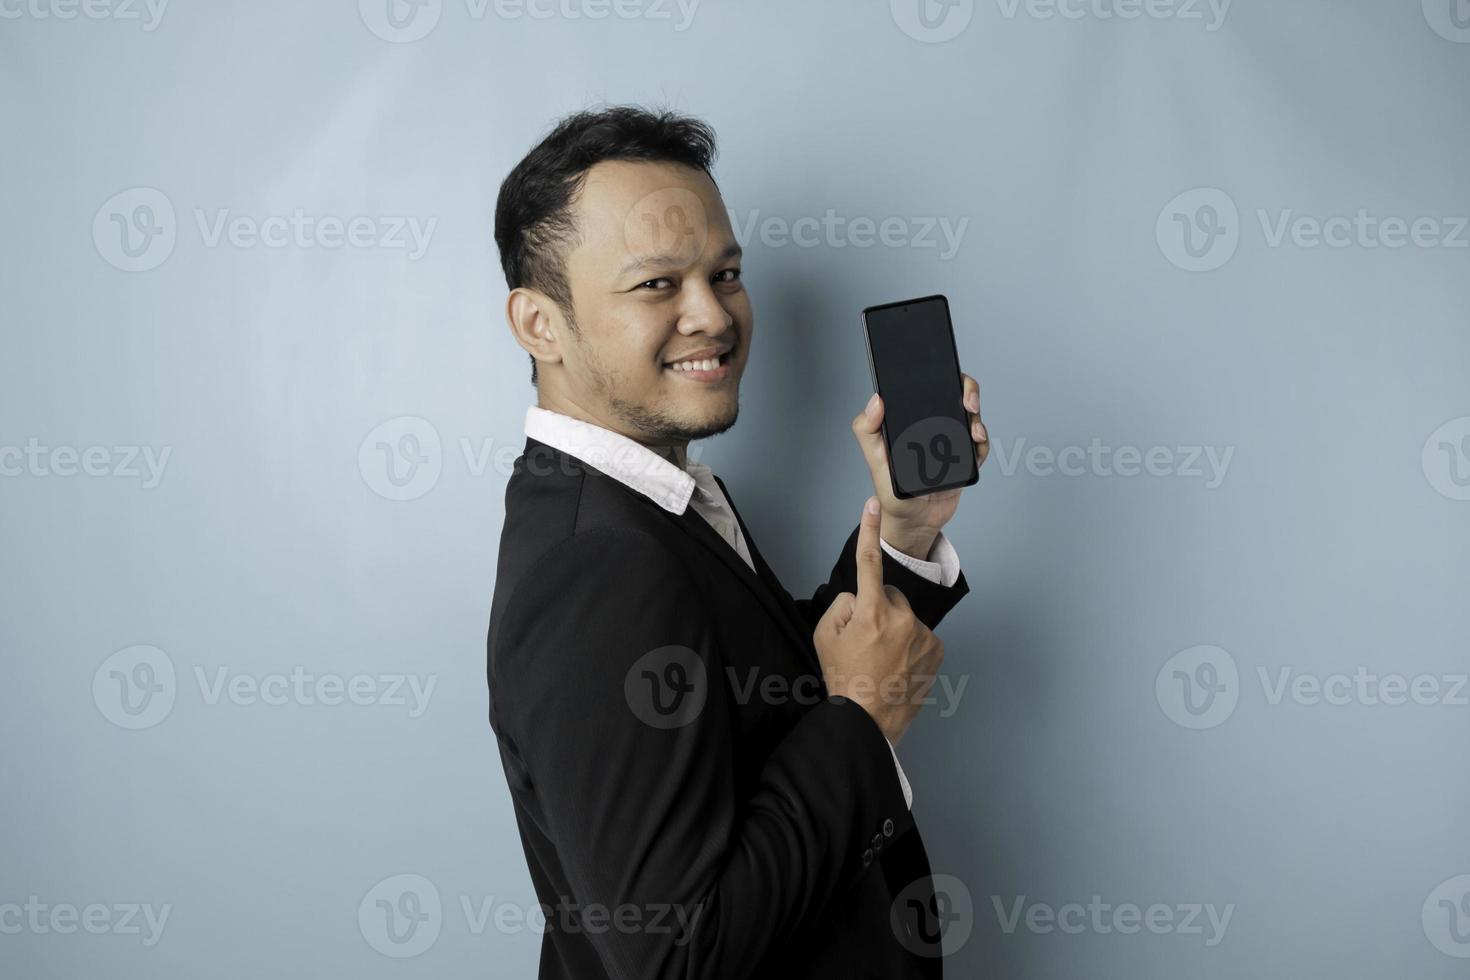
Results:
[708, 364]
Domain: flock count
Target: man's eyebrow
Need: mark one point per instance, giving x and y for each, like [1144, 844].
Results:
[667, 259]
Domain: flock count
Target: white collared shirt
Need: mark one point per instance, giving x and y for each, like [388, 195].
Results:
[677, 482]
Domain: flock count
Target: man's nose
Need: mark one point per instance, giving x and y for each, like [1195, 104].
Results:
[703, 311]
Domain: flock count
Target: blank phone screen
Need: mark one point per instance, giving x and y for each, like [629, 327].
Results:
[916, 371]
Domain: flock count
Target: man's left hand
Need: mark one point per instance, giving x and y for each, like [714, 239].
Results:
[912, 525]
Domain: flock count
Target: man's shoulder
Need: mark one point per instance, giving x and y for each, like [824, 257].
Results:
[568, 582]
[568, 526]
[553, 497]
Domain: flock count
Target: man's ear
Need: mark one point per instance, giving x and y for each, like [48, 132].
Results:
[535, 322]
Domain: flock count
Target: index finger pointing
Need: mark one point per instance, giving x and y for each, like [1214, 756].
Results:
[870, 553]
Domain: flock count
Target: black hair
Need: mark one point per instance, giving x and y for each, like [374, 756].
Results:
[534, 224]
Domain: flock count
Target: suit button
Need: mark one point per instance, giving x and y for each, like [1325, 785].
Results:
[867, 857]
[877, 843]
[888, 828]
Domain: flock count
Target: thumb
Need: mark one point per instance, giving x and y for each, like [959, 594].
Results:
[867, 428]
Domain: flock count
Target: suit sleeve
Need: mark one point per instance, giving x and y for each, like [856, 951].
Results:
[930, 600]
[609, 685]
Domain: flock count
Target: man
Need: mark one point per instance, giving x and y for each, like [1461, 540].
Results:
[702, 768]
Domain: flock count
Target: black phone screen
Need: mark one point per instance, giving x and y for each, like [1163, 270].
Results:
[916, 370]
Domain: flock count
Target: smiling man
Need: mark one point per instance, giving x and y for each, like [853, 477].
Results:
[703, 769]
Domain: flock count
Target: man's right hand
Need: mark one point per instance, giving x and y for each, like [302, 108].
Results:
[873, 649]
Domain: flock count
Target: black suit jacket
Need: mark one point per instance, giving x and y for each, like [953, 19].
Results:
[691, 802]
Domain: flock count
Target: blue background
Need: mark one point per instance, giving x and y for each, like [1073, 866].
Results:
[1334, 540]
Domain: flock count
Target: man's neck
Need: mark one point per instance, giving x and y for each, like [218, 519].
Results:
[676, 453]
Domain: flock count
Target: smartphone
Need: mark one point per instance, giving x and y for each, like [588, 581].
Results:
[916, 370]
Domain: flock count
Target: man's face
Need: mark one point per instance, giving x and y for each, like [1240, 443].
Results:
[654, 278]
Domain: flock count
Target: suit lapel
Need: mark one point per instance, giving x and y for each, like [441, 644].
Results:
[771, 584]
[762, 582]
[771, 598]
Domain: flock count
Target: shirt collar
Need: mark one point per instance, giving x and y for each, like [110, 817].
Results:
[630, 463]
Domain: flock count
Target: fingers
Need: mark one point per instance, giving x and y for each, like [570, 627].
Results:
[979, 434]
[867, 429]
[836, 618]
[870, 554]
[971, 394]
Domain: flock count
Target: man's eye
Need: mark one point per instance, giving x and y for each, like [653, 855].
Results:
[653, 282]
[728, 275]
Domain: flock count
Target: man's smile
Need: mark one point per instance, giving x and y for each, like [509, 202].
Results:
[704, 366]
